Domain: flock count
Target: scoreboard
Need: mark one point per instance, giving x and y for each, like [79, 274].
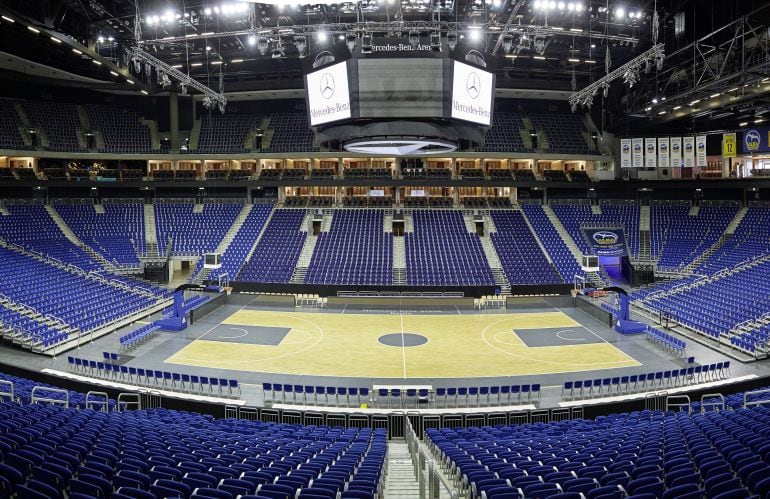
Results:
[395, 81]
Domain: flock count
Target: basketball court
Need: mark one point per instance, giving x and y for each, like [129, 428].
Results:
[401, 345]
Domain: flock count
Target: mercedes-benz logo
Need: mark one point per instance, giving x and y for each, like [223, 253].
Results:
[327, 86]
[473, 85]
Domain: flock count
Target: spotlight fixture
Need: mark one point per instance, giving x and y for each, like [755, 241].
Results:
[435, 42]
[301, 43]
[366, 43]
[414, 38]
[507, 43]
[350, 41]
[451, 40]
[539, 44]
[251, 40]
[262, 45]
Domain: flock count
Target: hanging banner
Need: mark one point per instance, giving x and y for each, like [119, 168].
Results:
[625, 153]
[688, 143]
[650, 153]
[610, 241]
[663, 152]
[729, 145]
[700, 150]
[676, 152]
[637, 153]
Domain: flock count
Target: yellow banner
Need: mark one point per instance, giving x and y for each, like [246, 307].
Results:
[728, 145]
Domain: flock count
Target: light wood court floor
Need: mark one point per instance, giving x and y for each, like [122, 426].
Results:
[472, 345]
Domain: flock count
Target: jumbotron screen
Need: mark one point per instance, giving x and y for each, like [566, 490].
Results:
[400, 88]
[472, 91]
[328, 95]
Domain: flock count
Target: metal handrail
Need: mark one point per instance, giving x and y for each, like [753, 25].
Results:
[425, 469]
[105, 404]
[747, 403]
[10, 389]
[705, 402]
[125, 400]
[671, 402]
[34, 398]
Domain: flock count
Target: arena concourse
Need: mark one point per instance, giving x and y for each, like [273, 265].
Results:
[420, 249]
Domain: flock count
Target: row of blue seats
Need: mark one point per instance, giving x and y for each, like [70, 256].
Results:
[666, 340]
[57, 453]
[400, 398]
[648, 454]
[182, 382]
[137, 336]
[646, 381]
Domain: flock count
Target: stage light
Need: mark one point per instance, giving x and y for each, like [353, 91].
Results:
[366, 43]
[560, 5]
[277, 53]
[262, 45]
[414, 38]
[451, 40]
[350, 41]
[110, 39]
[474, 35]
[654, 100]
[207, 11]
[99, 39]
[208, 48]
[507, 43]
[321, 36]
[301, 43]
[620, 12]
[571, 7]
[435, 42]
[251, 40]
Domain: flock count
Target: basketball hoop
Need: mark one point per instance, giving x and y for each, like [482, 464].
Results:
[574, 292]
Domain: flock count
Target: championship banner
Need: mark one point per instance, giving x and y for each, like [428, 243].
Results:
[650, 153]
[625, 153]
[700, 150]
[637, 153]
[689, 151]
[676, 152]
[663, 152]
[607, 242]
[728, 145]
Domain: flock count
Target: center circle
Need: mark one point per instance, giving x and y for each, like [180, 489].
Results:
[402, 339]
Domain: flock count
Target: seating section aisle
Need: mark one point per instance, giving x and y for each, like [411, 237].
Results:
[290, 133]
[116, 234]
[165, 453]
[278, 250]
[522, 259]
[121, 129]
[59, 121]
[33, 228]
[193, 233]
[666, 455]
[80, 302]
[572, 216]
[677, 238]
[749, 241]
[504, 134]
[557, 249]
[10, 137]
[226, 133]
[441, 251]
[235, 255]
[563, 131]
[356, 250]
